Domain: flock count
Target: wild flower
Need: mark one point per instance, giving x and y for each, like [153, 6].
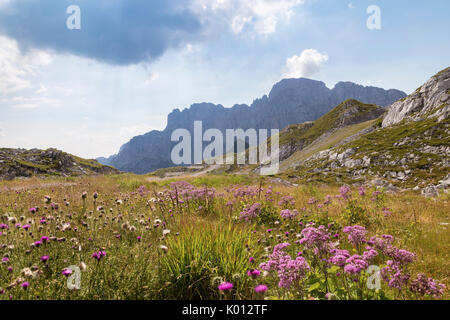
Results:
[356, 234]
[26, 227]
[99, 255]
[44, 258]
[66, 272]
[25, 285]
[362, 191]
[288, 214]
[33, 210]
[254, 273]
[369, 255]
[261, 288]
[423, 285]
[225, 286]
[316, 238]
[251, 212]
[286, 200]
[289, 270]
[37, 243]
[339, 257]
[345, 192]
[394, 275]
[355, 264]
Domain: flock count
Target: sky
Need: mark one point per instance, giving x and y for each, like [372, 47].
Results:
[88, 78]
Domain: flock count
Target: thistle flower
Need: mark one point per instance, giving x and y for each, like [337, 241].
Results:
[254, 273]
[66, 272]
[98, 255]
[225, 286]
[25, 285]
[261, 288]
[44, 258]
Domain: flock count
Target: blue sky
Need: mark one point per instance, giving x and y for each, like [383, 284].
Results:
[88, 91]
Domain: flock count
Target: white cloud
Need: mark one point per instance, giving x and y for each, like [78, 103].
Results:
[262, 16]
[306, 64]
[16, 69]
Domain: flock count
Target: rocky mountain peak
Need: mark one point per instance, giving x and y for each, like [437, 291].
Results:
[430, 100]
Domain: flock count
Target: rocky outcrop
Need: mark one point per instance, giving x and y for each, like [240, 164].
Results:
[430, 100]
[409, 149]
[26, 163]
[291, 101]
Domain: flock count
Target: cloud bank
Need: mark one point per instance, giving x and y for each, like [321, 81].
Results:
[118, 32]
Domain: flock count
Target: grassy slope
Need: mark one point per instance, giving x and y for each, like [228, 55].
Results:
[330, 141]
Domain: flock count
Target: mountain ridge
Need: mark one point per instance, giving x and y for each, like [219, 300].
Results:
[290, 101]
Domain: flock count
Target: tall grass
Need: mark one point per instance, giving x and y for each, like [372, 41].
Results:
[204, 255]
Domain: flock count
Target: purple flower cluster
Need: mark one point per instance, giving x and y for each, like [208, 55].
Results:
[251, 212]
[356, 234]
[289, 271]
[339, 257]
[345, 192]
[288, 214]
[98, 255]
[316, 238]
[286, 200]
[355, 264]
[427, 286]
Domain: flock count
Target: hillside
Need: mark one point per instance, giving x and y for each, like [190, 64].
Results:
[348, 113]
[291, 101]
[51, 162]
[409, 148]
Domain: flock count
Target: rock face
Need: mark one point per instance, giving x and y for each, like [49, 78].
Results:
[410, 148]
[430, 100]
[290, 101]
[26, 163]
